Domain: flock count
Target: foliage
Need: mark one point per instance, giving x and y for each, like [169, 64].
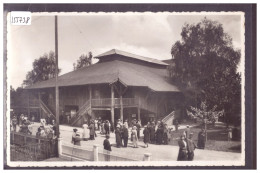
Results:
[205, 66]
[83, 61]
[43, 69]
[18, 97]
[203, 113]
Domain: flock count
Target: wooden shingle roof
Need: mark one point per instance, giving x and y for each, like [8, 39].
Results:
[131, 74]
[130, 56]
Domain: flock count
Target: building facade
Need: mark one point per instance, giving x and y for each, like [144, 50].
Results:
[120, 86]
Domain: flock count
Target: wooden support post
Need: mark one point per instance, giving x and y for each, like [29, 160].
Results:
[121, 104]
[121, 108]
[138, 110]
[112, 105]
[39, 104]
[90, 99]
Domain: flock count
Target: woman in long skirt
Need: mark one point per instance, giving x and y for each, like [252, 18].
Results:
[134, 137]
[85, 134]
[118, 137]
[146, 136]
[182, 149]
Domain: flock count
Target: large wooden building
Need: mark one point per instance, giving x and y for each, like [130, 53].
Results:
[120, 86]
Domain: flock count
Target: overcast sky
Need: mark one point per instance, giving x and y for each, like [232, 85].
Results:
[150, 35]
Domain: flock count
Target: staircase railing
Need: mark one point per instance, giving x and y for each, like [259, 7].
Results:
[168, 117]
[82, 110]
[45, 108]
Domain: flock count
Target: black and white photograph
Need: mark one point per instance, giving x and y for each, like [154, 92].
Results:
[125, 89]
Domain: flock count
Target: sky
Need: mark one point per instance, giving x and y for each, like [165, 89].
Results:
[147, 34]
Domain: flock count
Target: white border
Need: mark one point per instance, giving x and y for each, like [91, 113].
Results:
[240, 162]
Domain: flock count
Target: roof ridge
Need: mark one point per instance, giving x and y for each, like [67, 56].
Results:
[131, 55]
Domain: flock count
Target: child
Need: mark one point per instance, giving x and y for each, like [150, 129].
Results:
[106, 143]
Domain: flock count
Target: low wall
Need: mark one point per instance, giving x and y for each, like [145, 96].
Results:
[78, 153]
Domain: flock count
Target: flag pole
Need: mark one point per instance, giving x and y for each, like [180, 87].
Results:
[56, 77]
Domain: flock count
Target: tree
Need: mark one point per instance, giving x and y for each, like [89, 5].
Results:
[84, 60]
[205, 114]
[205, 66]
[43, 69]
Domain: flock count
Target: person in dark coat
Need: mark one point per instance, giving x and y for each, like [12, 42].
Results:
[191, 146]
[182, 156]
[118, 137]
[125, 135]
[107, 148]
[201, 139]
[106, 143]
[112, 127]
[152, 133]
[92, 131]
[159, 135]
[106, 127]
[75, 137]
[146, 136]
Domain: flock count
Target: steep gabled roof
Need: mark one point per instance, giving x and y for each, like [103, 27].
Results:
[130, 55]
[128, 73]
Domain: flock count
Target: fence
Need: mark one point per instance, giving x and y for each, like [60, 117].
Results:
[94, 154]
[106, 102]
[33, 152]
[27, 147]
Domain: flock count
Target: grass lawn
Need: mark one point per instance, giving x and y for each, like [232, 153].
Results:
[217, 138]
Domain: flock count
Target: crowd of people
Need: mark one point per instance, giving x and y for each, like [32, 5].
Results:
[155, 133]
[23, 125]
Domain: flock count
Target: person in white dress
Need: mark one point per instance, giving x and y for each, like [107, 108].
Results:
[85, 133]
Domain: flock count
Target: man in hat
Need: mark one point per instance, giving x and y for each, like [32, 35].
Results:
[191, 146]
[125, 135]
[14, 122]
[138, 128]
[107, 148]
[201, 139]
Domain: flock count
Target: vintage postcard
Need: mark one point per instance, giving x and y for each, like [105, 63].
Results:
[125, 89]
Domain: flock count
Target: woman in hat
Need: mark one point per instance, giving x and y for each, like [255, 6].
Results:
[118, 136]
[75, 137]
[92, 130]
[85, 134]
[146, 136]
[152, 132]
[134, 137]
[182, 149]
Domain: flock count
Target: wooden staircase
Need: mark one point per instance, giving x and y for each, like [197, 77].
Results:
[82, 110]
[169, 118]
[46, 110]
